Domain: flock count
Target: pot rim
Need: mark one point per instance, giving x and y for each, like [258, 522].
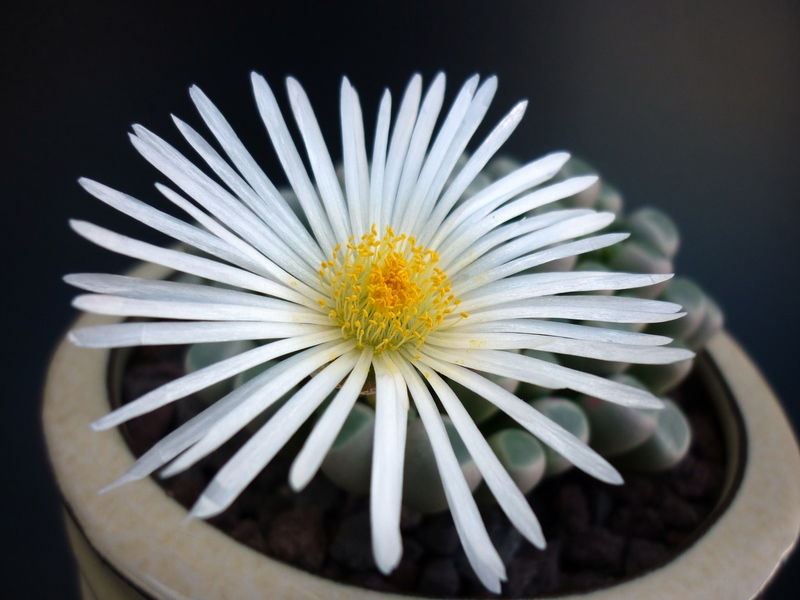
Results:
[145, 537]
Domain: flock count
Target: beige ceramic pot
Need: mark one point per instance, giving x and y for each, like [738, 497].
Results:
[135, 542]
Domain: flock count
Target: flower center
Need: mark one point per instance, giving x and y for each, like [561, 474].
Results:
[387, 291]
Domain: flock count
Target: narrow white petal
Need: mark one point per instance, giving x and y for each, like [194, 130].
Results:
[438, 228]
[388, 455]
[189, 433]
[614, 309]
[482, 221]
[201, 311]
[378, 172]
[441, 159]
[286, 374]
[474, 280]
[168, 224]
[354, 158]
[186, 263]
[172, 291]
[123, 335]
[651, 355]
[505, 491]
[536, 285]
[292, 164]
[504, 233]
[566, 330]
[322, 437]
[478, 546]
[561, 231]
[320, 158]
[555, 436]
[201, 379]
[269, 206]
[260, 264]
[545, 374]
[398, 146]
[260, 449]
[215, 199]
[257, 180]
[418, 146]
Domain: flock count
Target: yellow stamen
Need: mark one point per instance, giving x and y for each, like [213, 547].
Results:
[386, 292]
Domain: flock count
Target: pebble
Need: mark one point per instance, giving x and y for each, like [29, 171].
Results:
[351, 545]
[643, 554]
[297, 537]
[439, 578]
[638, 521]
[438, 535]
[597, 548]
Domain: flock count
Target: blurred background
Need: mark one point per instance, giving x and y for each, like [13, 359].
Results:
[691, 107]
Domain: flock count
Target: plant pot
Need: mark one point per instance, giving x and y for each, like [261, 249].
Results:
[135, 542]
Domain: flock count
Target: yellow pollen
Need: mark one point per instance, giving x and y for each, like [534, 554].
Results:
[386, 292]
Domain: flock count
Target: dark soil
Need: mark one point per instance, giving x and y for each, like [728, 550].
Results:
[596, 533]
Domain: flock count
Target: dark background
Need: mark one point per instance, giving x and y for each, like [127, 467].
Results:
[692, 107]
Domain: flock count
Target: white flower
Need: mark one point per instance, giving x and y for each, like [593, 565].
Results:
[391, 275]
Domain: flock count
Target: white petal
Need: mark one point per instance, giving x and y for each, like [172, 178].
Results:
[292, 164]
[614, 309]
[504, 233]
[532, 260]
[437, 229]
[122, 335]
[555, 436]
[566, 330]
[120, 306]
[545, 374]
[398, 146]
[169, 225]
[285, 375]
[259, 263]
[189, 433]
[320, 158]
[418, 146]
[275, 204]
[173, 291]
[186, 263]
[201, 379]
[388, 455]
[537, 285]
[322, 437]
[260, 449]
[377, 176]
[505, 491]
[215, 199]
[442, 158]
[561, 231]
[355, 159]
[651, 355]
[478, 546]
[482, 221]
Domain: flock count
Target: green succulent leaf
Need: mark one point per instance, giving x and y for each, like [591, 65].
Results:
[631, 256]
[609, 199]
[422, 486]
[662, 378]
[656, 229]
[572, 418]
[617, 429]
[695, 304]
[521, 454]
[203, 355]
[665, 448]
[349, 461]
